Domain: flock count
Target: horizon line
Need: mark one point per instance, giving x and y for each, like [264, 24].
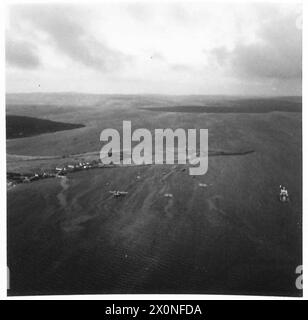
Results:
[152, 94]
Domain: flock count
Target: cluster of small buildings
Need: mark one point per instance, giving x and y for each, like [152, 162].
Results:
[14, 178]
[77, 167]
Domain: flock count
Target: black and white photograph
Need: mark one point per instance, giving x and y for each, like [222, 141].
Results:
[154, 148]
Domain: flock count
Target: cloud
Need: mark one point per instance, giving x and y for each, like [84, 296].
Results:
[64, 27]
[181, 67]
[155, 47]
[158, 57]
[21, 54]
[275, 54]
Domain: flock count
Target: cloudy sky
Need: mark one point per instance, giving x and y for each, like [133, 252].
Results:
[171, 48]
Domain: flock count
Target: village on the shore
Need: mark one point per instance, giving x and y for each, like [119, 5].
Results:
[14, 178]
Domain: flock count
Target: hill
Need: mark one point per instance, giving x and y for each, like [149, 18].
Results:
[21, 126]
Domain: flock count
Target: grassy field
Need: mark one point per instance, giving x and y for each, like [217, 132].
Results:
[234, 236]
